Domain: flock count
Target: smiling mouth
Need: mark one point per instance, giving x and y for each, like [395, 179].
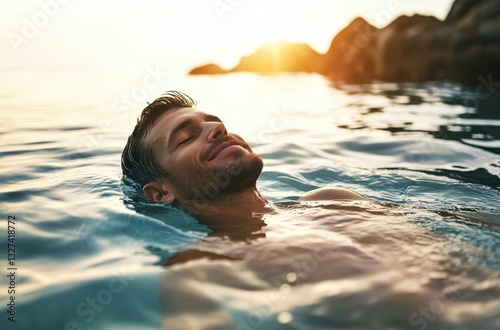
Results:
[225, 148]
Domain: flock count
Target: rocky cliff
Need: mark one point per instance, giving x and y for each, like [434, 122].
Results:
[461, 48]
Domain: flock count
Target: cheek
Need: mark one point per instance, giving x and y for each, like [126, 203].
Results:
[184, 159]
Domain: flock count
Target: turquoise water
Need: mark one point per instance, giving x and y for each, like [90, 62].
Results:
[89, 256]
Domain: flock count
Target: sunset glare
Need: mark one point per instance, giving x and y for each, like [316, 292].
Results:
[177, 34]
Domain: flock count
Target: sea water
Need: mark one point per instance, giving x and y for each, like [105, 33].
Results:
[90, 255]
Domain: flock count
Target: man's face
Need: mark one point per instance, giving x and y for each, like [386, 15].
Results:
[203, 161]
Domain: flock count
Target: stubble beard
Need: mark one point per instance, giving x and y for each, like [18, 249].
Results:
[237, 175]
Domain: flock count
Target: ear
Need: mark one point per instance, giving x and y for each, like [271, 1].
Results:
[157, 192]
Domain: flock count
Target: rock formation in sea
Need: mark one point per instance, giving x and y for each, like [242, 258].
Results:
[273, 57]
[463, 47]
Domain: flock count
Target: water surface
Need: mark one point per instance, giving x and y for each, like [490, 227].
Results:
[88, 255]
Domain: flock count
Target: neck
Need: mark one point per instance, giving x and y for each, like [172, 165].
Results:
[238, 216]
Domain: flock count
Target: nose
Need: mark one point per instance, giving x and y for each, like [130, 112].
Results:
[216, 131]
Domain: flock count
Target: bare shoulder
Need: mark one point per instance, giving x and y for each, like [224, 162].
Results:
[332, 193]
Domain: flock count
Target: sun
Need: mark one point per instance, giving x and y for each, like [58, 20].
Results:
[245, 26]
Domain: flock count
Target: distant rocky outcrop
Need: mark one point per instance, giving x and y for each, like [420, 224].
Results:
[208, 69]
[271, 58]
[417, 48]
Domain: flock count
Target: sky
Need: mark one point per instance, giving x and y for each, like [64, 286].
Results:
[177, 34]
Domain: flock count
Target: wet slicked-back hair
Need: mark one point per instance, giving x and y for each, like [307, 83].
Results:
[138, 161]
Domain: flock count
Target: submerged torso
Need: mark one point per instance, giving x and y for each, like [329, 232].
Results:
[343, 263]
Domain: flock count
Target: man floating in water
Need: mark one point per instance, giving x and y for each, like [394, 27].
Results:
[320, 255]
[182, 156]
[186, 158]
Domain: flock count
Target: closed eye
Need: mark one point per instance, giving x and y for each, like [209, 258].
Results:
[187, 140]
[185, 126]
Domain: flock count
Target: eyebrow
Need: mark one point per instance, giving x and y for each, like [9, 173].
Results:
[189, 121]
[209, 117]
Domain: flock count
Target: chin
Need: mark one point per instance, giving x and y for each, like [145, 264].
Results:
[242, 172]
